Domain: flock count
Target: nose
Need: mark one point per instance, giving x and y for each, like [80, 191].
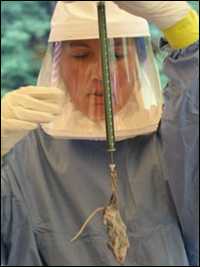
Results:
[97, 69]
[97, 76]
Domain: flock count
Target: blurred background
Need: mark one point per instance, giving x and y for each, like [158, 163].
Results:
[24, 33]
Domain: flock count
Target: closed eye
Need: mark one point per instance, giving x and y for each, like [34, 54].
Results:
[80, 55]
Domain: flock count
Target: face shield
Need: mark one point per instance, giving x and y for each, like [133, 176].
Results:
[74, 65]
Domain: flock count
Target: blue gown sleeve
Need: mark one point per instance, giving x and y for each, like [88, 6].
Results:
[180, 139]
[18, 243]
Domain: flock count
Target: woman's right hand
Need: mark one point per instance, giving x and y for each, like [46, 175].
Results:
[24, 109]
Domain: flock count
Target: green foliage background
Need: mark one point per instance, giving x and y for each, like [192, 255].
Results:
[24, 35]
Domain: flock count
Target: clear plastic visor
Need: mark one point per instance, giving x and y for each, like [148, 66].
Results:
[136, 94]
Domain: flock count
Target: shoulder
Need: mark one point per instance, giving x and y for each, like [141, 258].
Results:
[15, 164]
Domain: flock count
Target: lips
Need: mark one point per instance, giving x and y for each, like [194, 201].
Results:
[97, 99]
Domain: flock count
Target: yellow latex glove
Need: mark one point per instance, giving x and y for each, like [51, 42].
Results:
[24, 109]
[175, 18]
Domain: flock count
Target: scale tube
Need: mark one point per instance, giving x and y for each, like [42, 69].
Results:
[106, 79]
[116, 229]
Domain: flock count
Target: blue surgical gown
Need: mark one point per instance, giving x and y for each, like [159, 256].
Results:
[50, 186]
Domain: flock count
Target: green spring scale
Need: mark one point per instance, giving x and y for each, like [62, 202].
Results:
[118, 241]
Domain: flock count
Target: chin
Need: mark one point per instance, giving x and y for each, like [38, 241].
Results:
[97, 116]
[97, 119]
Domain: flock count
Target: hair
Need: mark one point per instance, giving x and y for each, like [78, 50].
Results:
[56, 53]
